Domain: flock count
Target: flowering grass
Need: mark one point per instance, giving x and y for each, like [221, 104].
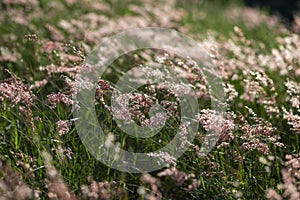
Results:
[42, 47]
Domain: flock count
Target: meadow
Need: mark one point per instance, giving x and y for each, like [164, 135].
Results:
[44, 45]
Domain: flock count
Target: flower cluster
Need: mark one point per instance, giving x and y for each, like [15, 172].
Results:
[179, 177]
[55, 98]
[163, 157]
[258, 135]
[15, 91]
[291, 178]
[155, 184]
[293, 120]
[12, 187]
[293, 92]
[212, 121]
[63, 127]
[102, 190]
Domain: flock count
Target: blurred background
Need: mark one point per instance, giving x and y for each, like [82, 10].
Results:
[284, 8]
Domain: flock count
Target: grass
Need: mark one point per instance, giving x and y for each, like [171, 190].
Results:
[242, 169]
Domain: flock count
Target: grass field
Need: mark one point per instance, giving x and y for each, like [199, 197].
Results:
[43, 46]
